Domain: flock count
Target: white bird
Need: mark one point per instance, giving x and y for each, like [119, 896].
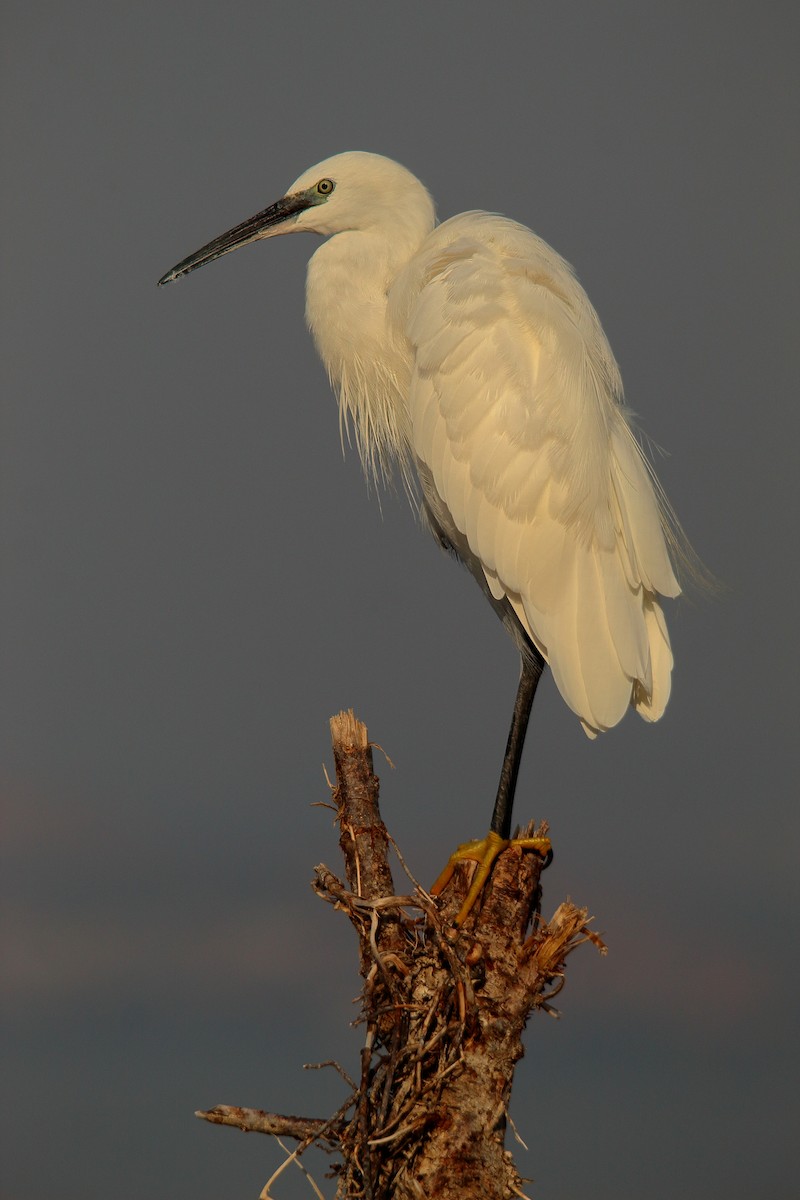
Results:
[468, 354]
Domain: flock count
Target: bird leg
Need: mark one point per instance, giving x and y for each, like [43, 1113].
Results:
[485, 850]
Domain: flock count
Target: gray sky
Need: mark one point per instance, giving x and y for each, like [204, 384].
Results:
[178, 626]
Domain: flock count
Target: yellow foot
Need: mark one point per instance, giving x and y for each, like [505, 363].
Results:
[484, 851]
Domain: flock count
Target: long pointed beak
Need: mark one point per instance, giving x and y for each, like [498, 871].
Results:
[263, 225]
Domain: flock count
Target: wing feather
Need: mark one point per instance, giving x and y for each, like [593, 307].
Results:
[651, 703]
[517, 423]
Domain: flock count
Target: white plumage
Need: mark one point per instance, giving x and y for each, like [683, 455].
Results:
[469, 354]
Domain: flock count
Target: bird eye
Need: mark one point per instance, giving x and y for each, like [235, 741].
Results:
[325, 187]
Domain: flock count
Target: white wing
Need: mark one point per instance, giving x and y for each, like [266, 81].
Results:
[517, 424]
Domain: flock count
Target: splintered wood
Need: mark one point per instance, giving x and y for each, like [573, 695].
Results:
[443, 1011]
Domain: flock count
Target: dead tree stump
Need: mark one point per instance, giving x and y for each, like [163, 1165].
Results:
[443, 1011]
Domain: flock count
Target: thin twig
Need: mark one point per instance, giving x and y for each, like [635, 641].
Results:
[255, 1120]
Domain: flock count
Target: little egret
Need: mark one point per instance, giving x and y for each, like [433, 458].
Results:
[468, 354]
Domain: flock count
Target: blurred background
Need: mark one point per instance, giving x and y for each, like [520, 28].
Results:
[194, 578]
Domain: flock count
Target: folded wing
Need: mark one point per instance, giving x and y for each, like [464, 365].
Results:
[516, 416]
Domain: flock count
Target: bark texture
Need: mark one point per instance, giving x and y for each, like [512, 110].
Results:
[443, 1010]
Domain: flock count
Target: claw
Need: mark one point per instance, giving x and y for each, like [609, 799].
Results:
[484, 851]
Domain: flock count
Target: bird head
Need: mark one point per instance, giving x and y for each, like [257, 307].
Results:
[351, 191]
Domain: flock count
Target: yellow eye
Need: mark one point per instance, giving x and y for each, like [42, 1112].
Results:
[325, 187]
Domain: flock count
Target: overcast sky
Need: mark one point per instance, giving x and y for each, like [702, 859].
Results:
[194, 578]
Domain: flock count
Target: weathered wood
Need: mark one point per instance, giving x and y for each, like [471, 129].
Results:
[443, 1010]
[255, 1120]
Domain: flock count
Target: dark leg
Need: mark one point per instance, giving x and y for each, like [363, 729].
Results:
[485, 850]
[530, 675]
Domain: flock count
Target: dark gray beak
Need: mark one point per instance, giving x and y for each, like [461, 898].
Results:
[264, 224]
